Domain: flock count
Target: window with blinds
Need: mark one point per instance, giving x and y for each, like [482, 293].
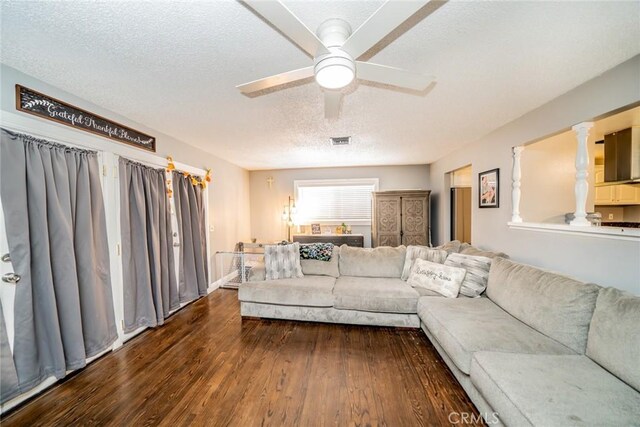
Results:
[335, 201]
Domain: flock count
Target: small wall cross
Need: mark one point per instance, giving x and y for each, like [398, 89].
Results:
[270, 181]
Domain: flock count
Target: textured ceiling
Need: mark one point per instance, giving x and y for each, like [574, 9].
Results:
[174, 66]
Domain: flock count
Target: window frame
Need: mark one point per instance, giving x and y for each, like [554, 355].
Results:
[375, 182]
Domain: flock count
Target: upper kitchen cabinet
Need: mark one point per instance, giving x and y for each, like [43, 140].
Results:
[622, 155]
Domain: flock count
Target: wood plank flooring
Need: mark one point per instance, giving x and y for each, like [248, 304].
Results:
[207, 366]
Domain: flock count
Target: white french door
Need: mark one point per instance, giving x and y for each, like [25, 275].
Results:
[108, 153]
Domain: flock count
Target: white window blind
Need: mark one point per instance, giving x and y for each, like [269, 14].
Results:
[335, 201]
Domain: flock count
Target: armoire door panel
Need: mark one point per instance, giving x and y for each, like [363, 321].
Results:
[414, 220]
[387, 221]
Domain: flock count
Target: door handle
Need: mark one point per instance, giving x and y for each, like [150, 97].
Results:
[11, 278]
[6, 258]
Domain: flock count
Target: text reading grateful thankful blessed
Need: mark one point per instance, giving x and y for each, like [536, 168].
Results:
[41, 105]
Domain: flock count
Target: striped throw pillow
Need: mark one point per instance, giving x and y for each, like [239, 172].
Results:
[421, 252]
[475, 281]
[282, 261]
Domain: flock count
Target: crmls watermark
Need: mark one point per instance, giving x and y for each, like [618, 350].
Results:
[462, 418]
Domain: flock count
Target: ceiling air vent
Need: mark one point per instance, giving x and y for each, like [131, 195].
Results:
[340, 140]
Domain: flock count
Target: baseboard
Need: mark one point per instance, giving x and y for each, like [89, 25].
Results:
[221, 281]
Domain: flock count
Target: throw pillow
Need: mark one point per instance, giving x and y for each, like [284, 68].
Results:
[282, 261]
[322, 268]
[472, 250]
[317, 251]
[477, 267]
[436, 277]
[451, 247]
[422, 252]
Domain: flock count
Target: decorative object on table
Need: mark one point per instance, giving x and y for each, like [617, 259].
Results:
[326, 230]
[35, 103]
[317, 251]
[315, 229]
[348, 229]
[344, 228]
[289, 215]
[489, 188]
[339, 229]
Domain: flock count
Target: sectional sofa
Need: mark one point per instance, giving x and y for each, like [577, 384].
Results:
[536, 349]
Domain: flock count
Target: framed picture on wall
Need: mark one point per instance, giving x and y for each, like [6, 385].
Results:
[489, 188]
[315, 228]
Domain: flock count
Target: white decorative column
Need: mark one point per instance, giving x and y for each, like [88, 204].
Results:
[516, 176]
[582, 163]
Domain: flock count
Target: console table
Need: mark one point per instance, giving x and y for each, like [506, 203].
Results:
[356, 240]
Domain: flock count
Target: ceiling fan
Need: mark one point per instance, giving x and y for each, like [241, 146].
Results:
[335, 50]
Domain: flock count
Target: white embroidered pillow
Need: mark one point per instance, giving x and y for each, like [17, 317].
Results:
[436, 277]
[477, 267]
[282, 261]
[422, 252]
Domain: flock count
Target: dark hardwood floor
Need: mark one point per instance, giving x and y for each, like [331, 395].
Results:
[206, 366]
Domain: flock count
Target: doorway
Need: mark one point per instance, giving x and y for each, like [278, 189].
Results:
[461, 204]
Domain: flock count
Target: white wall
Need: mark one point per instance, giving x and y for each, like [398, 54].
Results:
[267, 203]
[228, 194]
[549, 175]
[603, 261]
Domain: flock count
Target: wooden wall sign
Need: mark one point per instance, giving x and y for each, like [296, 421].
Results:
[38, 104]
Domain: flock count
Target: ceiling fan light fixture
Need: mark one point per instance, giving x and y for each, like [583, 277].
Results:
[334, 70]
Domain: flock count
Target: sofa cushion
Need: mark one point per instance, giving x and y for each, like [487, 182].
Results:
[464, 326]
[310, 291]
[383, 261]
[421, 252]
[477, 268]
[614, 335]
[548, 390]
[282, 261]
[257, 273]
[451, 247]
[556, 305]
[439, 278]
[323, 268]
[385, 295]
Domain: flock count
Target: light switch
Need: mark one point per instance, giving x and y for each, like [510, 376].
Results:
[610, 216]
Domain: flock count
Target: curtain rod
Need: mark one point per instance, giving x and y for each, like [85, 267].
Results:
[13, 122]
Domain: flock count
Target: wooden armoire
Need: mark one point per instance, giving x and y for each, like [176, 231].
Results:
[400, 217]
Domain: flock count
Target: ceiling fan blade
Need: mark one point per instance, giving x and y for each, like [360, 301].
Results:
[287, 23]
[332, 100]
[277, 80]
[384, 20]
[392, 76]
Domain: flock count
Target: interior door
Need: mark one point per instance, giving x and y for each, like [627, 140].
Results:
[461, 214]
[387, 221]
[415, 218]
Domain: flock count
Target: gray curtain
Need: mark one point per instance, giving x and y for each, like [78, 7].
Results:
[8, 375]
[149, 279]
[190, 215]
[56, 230]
